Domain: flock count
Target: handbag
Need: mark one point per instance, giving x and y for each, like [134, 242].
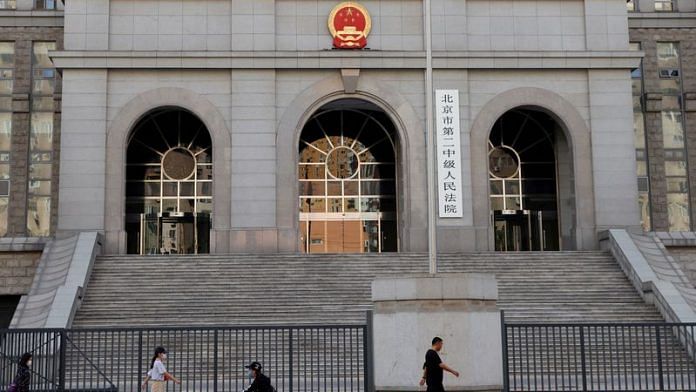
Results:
[12, 388]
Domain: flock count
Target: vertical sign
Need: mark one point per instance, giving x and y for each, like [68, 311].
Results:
[449, 169]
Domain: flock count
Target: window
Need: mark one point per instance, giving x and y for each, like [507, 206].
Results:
[673, 136]
[631, 5]
[41, 141]
[8, 4]
[664, 5]
[6, 87]
[48, 5]
[641, 143]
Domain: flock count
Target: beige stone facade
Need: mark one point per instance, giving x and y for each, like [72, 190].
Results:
[255, 72]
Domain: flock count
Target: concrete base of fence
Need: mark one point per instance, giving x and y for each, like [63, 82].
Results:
[460, 308]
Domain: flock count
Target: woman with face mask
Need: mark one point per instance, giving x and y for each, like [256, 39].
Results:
[260, 382]
[23, 378]
[158, 373]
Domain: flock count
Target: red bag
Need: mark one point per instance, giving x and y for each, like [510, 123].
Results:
[166, 378]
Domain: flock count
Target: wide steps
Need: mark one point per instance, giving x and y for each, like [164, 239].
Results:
[226, 289]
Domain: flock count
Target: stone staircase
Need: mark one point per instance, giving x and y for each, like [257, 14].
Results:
[238, 290]
[127, 291]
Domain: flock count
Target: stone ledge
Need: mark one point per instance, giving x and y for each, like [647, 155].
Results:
[481, 287]
[677, 238]
[22, 244]
[332, 59]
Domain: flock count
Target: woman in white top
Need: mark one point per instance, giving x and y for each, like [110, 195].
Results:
[158, 373]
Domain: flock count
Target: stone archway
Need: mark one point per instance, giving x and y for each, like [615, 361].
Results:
[116, 145]
[413, 216]
[169, 175]
[577, 134]
[349, 180]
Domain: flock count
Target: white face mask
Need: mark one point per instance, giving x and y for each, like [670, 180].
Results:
[251, 374]
[29, 363]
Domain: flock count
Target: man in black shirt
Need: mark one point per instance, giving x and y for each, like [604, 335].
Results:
[434, 367]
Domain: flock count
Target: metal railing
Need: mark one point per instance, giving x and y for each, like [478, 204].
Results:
[297, 358]
[599, 357]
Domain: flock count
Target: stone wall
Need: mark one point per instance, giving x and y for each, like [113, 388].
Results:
[17, 271]
[23, 36]
[648, 38]
[686, 255]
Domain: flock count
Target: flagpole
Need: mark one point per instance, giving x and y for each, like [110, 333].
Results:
[430, 138]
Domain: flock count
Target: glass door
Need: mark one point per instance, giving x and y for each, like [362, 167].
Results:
[524, 230]
[346, 235]
[174, 234]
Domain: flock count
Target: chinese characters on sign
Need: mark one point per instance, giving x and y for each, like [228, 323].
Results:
[448, 151]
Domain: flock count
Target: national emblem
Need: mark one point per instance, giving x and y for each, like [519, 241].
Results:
[350, 24]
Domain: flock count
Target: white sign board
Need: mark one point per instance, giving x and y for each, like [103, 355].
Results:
[449, 169]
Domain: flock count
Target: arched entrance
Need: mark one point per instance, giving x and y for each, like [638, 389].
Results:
[169, 184]
[530, 174]
[347, 175]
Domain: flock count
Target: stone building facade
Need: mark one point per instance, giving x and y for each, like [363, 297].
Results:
[30, 101]
[212, 46]
[259, 74]
[666, 112]
[31, 118]
[246, 87]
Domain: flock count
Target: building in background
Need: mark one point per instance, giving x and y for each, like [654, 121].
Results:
[30, 101]
[664, 97]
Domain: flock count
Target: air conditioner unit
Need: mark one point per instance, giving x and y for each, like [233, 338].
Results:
[4, 188]
[643, 184]
[669, 73]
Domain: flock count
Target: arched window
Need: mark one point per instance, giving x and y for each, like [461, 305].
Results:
[169, 184]
[348, 180]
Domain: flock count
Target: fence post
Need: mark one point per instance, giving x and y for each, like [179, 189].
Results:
[506, 370]
[582, 358]
[369, 354]
[290, 364]
[215, 362]
[62, 370]
[140, 354]
[659, 359]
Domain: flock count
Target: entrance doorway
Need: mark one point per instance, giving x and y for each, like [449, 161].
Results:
[169, 184]
[523, 167]
[174, 233]
[347, 180]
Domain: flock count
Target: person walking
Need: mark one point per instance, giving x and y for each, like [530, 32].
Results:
[261, 383]
[23, 377]
[158, 372]
[433, 369]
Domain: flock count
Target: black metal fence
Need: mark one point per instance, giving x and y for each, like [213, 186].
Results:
[297, 358]
[599, 357]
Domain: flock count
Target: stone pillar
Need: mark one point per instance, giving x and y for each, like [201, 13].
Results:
[459, 308]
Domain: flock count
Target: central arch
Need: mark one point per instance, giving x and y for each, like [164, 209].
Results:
[412, 216]
[348, 177]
